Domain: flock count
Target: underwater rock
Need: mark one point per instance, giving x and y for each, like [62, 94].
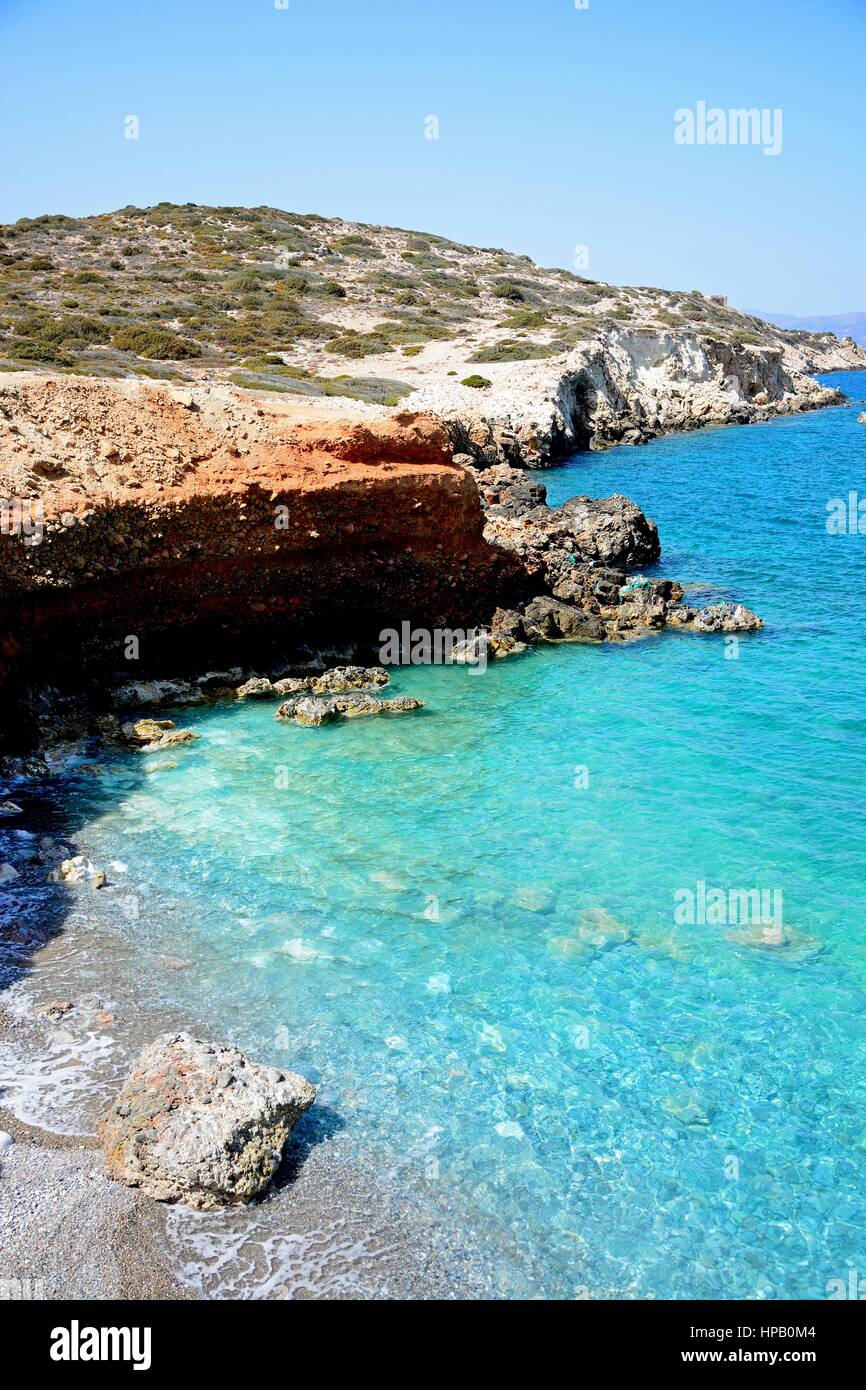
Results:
[9, 808]
[534, 898]
[685, 1107]
[599, 929]
[789, 943]
[8, 873]
[201, 1124]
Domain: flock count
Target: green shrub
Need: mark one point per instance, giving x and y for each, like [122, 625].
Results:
[509, 350]
[526, 318]
[154, 342]
[475, 381]
[354, 344]
[509, 289]
[28, 350]
[413, 349]
[247, 280]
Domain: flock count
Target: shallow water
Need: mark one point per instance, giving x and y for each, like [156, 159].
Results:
[460, 924]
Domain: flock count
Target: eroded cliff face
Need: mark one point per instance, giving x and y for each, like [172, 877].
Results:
[200, 522]
[629, 388]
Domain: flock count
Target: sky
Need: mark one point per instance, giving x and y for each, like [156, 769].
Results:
[554, 124]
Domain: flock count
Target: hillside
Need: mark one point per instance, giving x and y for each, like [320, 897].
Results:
[843, 325]
[316, 307]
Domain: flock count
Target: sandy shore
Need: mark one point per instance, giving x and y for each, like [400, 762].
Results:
[66, 1227]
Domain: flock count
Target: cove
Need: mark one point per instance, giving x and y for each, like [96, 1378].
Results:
[461, 926]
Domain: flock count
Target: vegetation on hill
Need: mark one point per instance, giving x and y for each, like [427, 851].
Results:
[189, 292]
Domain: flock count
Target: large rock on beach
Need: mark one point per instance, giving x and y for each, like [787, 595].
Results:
[201, 1124]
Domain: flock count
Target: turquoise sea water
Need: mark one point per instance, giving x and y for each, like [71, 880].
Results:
[407, 910]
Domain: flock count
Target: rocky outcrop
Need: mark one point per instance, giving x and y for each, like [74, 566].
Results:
[550, 541]
[179, 525]
[312, 712]
[627, 386]
[201, 1124]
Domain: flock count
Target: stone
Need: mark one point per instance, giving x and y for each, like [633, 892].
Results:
[354, 704]
[78, 869]
[56, 1010]
[8, 873]
[558, 621]
[170, 739]
[143, 731]
[161, 692]
[294, 685]
[312, 713]
[601, 930]
[726, 617]
[201, 1124]
[257, 687]
[9, 808]
[343, 678]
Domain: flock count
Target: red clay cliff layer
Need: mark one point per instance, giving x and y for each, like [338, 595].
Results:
[192, 520]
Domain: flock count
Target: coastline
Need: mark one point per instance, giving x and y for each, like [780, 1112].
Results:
[329, 1227]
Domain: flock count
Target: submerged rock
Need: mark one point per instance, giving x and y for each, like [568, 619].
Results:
[201, 1124]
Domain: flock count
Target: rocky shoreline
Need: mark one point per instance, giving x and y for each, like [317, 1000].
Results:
[223, 548]
[283, 556]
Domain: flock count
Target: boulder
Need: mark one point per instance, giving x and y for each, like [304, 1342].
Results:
[557, 621]
[201, 1124]
[257, 687]
[78, 869]
[353, 704]
[141, 731]
[343, 678]
[726, 617]
[162, 692]
[170, 739]
[311, 712]
[294, 685]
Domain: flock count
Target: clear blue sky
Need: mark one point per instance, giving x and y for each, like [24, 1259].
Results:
[556, 126]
